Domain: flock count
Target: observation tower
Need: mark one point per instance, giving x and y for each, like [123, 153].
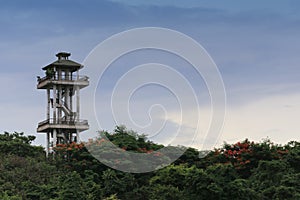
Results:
[62, 83]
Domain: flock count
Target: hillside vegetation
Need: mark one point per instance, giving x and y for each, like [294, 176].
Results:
[244, 170]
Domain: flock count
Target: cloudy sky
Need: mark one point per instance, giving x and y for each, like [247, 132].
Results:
[255, 45]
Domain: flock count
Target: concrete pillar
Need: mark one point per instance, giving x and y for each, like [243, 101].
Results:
[54, 137]
[77, 102]
[77, 136]
[47, 144]
[60, 102]
[77, 98]
[54, 103]
[48, 103]
[67, 100]
[71, 93]
[71, 90]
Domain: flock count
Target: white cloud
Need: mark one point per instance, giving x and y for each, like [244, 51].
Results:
[275, 117]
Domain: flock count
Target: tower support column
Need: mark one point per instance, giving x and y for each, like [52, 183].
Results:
[54, 103]
[54, 137]
[48, 103]
[48, 144]
[77, 103]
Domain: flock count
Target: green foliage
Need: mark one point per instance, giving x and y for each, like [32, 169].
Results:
[105, 148]
[6, 196]
[162, 192]
[71, 187]
[293, 157]
[190, 156]
[244, 170]
[240, 189]
[18, 144]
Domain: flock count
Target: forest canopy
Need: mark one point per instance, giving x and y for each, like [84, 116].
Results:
[243, 170]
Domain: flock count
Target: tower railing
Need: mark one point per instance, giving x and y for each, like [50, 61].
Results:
[64, 121]
[64, 78]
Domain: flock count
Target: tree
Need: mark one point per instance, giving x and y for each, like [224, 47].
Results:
[19, 144]
[71, 187]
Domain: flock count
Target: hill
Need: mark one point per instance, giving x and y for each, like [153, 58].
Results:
[244, 170]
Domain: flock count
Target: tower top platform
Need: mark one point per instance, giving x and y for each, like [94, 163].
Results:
[63, 62]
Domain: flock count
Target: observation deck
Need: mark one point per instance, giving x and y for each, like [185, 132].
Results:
[81, 81]
[66, 124]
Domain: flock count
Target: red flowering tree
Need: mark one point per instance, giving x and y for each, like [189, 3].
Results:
[245, 155]
[126, 140]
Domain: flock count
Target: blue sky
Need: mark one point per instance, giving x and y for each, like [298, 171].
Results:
[255, 45]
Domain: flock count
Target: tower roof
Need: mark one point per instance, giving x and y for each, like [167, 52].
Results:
[63, 62]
